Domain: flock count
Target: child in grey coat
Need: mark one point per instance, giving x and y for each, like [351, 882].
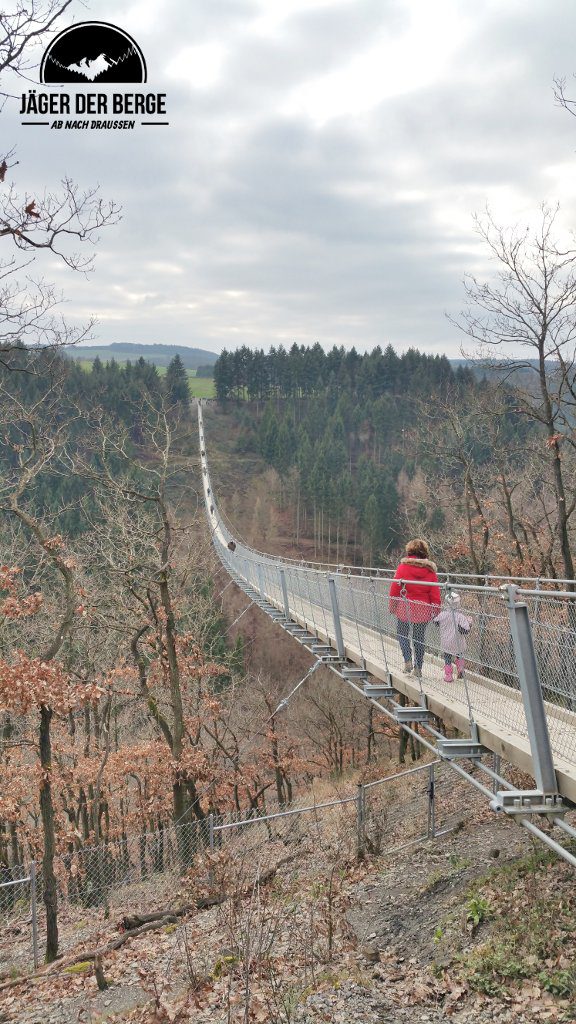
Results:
[454, 628]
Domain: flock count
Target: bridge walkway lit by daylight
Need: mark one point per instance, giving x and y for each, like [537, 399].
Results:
[516, 702]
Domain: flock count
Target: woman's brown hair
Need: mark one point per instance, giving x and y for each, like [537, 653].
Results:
[418, 548]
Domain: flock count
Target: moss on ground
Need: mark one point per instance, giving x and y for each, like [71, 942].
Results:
[529, 909]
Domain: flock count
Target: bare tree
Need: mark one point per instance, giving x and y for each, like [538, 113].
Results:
[560, 96]
[29, 23]
[61, 221]
[61, 224]
[150, 555]
[488, 483]
[31, 443]
[529, 310]
[57, 221]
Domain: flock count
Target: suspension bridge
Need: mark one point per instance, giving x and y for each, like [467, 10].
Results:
[515, 703]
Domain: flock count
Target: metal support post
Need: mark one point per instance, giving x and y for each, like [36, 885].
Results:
[431, 802]
[496, 769]
[284, 593]
[34, 909]
[360, 821]
[336, 617]
[543, 764]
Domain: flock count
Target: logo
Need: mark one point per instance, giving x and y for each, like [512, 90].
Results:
[92, 51]
[91, 54]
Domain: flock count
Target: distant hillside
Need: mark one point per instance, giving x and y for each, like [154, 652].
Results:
[160, 355]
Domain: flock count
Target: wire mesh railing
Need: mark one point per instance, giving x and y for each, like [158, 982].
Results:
[371, 629]
[89, 875]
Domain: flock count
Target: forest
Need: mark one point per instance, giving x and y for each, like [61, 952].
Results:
[304, 371]
[125, 393]
[127, 702]
[370, 449]
[127, 698]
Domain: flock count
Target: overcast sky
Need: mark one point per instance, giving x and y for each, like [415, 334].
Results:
[321, 169]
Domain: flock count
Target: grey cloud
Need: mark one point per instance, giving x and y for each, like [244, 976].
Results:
[314, 226]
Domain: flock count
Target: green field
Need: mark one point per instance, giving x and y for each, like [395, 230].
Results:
[200, 387]
[159, 354]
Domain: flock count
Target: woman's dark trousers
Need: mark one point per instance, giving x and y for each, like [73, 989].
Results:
[418, 634]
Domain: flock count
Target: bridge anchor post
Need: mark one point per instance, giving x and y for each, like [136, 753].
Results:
[285, 601]
[336, 617]
[545, 798]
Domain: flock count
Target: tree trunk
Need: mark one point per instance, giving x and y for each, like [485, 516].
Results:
[370, 739]
[510, 516]
[559, 488]
[47, 812]
[180, 803]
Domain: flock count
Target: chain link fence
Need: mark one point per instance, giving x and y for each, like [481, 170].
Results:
[19, 930]
[145, 872]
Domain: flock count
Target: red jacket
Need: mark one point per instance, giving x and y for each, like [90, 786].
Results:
[411, 602]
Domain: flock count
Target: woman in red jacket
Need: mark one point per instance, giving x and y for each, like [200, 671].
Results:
[414, 600]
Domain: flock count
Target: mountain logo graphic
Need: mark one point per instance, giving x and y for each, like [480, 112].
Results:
[92, 51]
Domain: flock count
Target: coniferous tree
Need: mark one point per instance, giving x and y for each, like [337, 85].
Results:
[371, 527]
[177, 390]
[268, 435]
[223, 376]
[284, 449]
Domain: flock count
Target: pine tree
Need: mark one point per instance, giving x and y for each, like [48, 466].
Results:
[284, 453]
[371, 520]
[268, 435]
[223, 376]
[177, 390]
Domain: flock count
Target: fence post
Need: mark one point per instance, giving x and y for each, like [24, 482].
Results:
[336, 617]
[284, 593]
[542, 761]
[34, 909]
[211, 847]
[431, 802]
[360, 821]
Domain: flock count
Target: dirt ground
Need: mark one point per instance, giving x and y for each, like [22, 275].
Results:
[401, 908]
